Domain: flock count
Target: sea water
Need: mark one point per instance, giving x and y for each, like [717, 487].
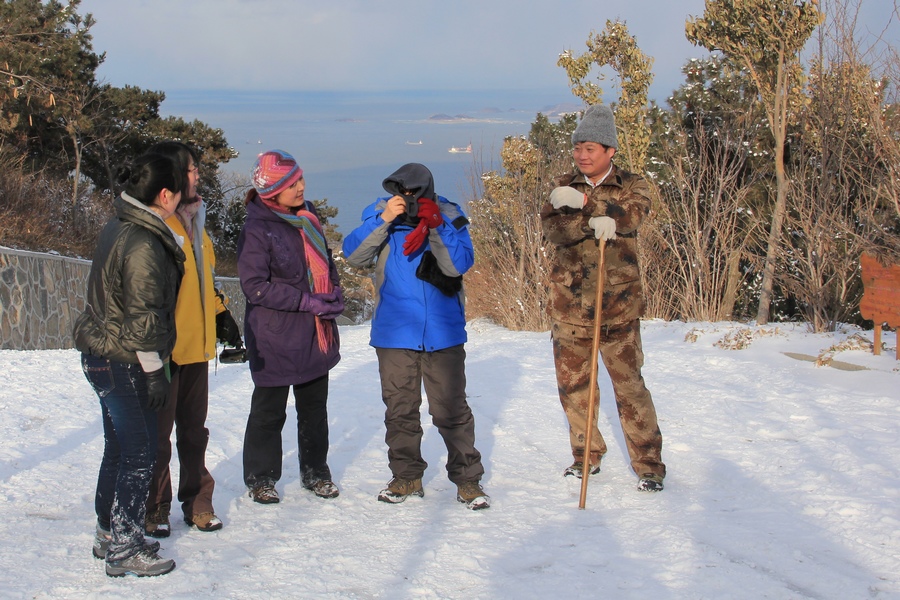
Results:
[348, 142]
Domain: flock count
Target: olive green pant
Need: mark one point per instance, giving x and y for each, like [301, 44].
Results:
[443, 372]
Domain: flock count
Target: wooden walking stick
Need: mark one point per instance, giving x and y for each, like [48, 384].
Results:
[593, 399]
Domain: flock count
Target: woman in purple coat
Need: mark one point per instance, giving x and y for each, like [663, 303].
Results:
[293, 299]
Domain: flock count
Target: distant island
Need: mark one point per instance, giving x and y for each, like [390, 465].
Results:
[553, 112]
[444, 118]
[559, 110]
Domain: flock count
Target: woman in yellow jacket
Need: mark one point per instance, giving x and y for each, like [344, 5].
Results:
[198, 311]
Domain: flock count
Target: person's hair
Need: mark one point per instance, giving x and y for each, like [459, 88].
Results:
[181, 153]
[149, 174]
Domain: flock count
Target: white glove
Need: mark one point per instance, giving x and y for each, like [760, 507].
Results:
[567, 196]
[604, 228]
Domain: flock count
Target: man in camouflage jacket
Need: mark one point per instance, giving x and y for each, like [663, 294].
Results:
[601, 203]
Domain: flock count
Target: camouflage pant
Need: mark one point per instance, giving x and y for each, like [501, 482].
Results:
[620, 350]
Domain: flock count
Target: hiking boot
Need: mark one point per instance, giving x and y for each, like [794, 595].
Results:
[156, 524]
[398, 490]
[471, 494]
[265, 493]
[650, 483]
[323, 488]
[102, 538]
[576, 470]
[143, 564]
[205, 521]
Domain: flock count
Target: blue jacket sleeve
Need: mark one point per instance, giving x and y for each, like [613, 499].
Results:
[451, 243]
[363, 244]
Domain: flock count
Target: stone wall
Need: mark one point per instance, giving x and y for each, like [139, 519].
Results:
[42, 294]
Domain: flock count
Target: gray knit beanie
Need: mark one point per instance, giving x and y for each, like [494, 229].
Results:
[597, 125]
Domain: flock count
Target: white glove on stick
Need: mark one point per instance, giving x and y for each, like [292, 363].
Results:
[567, 196]
[604, 228]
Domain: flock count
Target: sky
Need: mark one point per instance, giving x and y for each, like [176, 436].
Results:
[363, 45]
[782, 483]
[474, 49]
[393, 44]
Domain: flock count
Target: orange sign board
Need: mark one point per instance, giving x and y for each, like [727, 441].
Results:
[881, 296]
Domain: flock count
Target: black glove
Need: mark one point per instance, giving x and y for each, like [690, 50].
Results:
[227, 330]
[157, 389]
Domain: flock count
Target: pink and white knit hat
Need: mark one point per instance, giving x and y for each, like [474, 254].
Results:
[274, 171]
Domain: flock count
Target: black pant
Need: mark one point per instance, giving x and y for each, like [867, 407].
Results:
[186, 413]
[262, 439]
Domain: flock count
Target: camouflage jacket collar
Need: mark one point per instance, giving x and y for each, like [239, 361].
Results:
[614, 178]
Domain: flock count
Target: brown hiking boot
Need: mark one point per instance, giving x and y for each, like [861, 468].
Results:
[205, 521]
[156, 523]
[398, 490]
[471, 494]
[323, 488]
[265, 493]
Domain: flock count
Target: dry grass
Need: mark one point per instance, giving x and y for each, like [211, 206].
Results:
[37, 213]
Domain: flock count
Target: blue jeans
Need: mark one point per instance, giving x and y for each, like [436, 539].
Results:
[129, 452]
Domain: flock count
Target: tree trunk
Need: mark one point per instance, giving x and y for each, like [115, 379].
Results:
[729, 298]
[778, 119]
[768, 282]
[110, 173]
[77, 169]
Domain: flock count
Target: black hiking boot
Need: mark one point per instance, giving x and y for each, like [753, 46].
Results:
[650, 483]
[576, 470]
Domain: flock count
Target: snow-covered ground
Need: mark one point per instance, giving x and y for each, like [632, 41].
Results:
[783, 483]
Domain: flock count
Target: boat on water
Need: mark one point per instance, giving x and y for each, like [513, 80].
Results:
[466, 150]
[408, 143]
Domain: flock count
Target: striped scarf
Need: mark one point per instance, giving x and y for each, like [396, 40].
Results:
[318, 269]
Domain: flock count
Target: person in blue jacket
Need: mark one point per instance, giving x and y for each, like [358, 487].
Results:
[420, 244]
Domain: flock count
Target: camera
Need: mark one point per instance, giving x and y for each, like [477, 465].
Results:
[412, 206]
[233, 355]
